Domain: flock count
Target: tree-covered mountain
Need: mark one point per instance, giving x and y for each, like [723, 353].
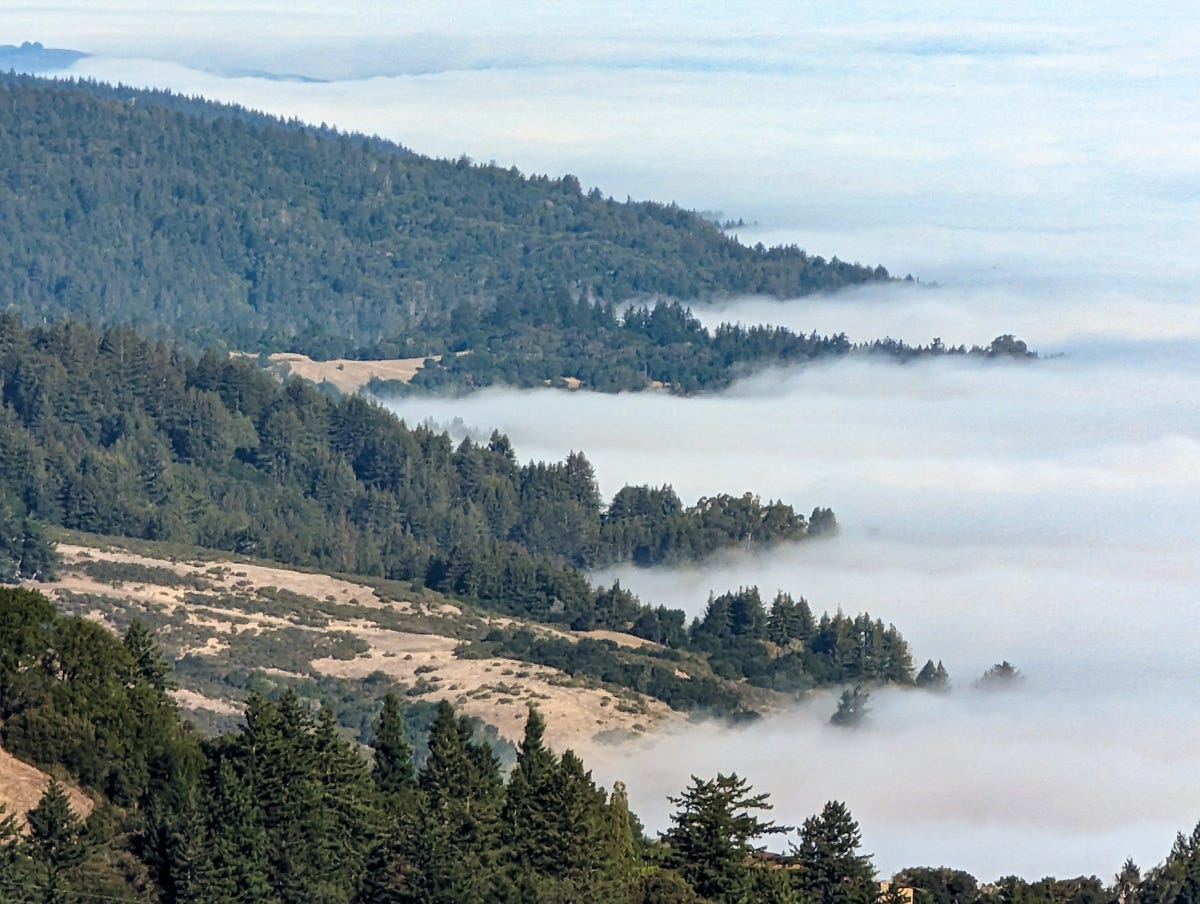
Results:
[109, 433]
[208, 223]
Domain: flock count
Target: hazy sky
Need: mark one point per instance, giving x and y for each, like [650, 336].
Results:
[1036, 161]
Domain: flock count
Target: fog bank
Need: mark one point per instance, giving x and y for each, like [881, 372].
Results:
[952, 141]
[1045, 514]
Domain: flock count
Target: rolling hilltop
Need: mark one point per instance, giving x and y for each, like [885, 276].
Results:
[211, 224]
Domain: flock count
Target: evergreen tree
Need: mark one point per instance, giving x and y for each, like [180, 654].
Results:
[56, 842]
[621, 847]
[149, 664]
[1177, 879]
[1000, 677]
[531, 815]
[1126, 882]
[24, 550]
[711, 833]
[316, 797]
[450, 854]
[185, 868]
[830, 869]
[238, 839]
[852, 708]
[13, 858]
[933, 677]
[393, 770]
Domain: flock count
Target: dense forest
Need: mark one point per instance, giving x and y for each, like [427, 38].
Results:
[285, 809]
[108, 433]
[537, 338]
[213, 225]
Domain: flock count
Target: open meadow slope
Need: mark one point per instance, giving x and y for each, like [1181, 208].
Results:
[221, 621]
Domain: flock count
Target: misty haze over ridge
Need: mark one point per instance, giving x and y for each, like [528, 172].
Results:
[954, 143]
[1039, 166]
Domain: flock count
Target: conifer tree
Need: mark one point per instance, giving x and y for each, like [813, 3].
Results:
[149, 664]
[530, 816]
[1177, 879]
[585, 864]
[450, 854]
[314, 790]
[933, 677]
[56, 842]
[185, 867]
[852, 708]
[393, 770]
[13, 858]
[830, 869]
[620, 845]
[711, 834]
[238, 839]
[346, 822]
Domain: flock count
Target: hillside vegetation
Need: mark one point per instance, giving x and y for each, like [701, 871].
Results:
[110, 433]
[231, 627]
[284, 808]
[107, 433]
[210, 224]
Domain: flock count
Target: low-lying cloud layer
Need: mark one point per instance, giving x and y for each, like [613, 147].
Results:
[946, 141]
[1045, 514]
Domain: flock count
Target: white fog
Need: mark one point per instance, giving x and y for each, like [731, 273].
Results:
[1044, 514]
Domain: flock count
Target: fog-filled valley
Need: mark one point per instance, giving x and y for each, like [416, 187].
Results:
[1043, 514]
[1036, 171]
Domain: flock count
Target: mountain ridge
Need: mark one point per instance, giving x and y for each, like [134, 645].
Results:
[210, 224]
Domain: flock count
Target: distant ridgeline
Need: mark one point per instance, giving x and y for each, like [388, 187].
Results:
[31, 56]
[207, 223]
[556, 338]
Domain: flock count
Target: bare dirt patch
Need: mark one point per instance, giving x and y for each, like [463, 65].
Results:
[193, 700]
[209, 608]
[619, 637]
[344, 374]
[22, 786]
[500, 690]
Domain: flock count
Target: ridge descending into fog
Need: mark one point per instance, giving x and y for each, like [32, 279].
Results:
[1045, 514]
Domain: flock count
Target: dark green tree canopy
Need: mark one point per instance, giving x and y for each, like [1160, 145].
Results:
[200, 220]
[852, 709]
[712, 831]
[830, 868]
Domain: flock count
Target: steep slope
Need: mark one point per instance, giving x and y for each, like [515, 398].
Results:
[205, 222]
[22, 786]
[233, 626]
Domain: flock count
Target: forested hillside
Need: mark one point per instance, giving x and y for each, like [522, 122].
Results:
[108, 433]
[285, 809]
[207, 223]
